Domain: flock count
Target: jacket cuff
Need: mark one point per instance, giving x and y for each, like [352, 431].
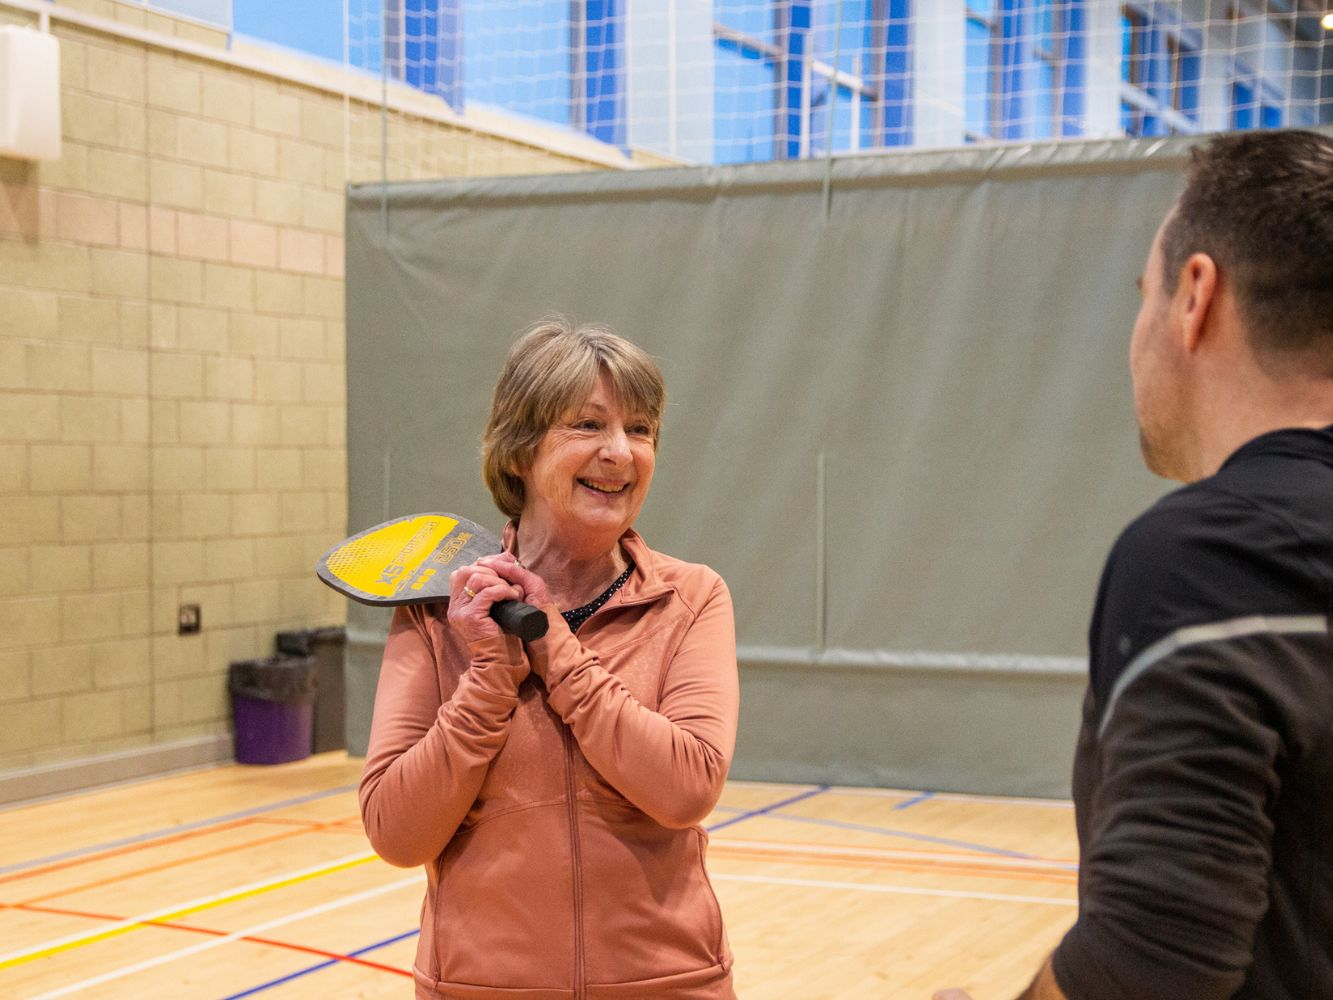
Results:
[561, 651]
[498, 662]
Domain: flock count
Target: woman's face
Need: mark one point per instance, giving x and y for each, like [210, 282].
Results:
[590, 473]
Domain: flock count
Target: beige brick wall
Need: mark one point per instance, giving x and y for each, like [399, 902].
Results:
[172, 374]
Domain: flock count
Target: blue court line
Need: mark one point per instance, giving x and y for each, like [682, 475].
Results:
[925, 838]
[320, 965]
[865, 828]
[923, 797]
[749, 813]
[167, 831]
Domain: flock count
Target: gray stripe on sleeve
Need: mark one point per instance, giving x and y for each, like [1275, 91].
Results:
[1192, 635]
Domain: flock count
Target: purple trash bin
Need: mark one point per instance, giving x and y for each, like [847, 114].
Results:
[272, 704]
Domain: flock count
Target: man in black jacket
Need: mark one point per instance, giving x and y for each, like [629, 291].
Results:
[1203, 778]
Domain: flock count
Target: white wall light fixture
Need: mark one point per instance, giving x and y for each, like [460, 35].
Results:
[29, 94]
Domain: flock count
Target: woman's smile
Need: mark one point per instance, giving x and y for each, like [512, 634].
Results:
[590, 474]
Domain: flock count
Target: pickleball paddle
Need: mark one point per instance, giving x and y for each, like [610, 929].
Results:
[408, 561]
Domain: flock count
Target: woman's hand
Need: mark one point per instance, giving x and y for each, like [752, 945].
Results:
[507, 567]
[473, 590]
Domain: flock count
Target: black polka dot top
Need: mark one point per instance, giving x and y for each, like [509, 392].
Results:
[576, 617]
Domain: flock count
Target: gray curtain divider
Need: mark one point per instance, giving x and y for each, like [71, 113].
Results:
[900, 420]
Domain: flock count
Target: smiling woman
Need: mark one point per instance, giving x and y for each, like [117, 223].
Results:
[554, 789]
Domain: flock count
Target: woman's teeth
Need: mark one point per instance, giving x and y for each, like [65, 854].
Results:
[604, 488]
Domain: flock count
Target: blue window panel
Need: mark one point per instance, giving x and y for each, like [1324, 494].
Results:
[365, 40]
[1145, 64]
[1048, 24]
[430, 48]
[1242, 104]
[897, 77]
[1270, 116]
[745, 105]
[1059, 98]
[520, 64]
[755, 18]
[850, 44]
[1187, 81]
[978, 78]
[798, 48]
[1073, 96]
[820, 96]
[1043, 122]
[866, 122]
[1161, 68]
[1018, 81]
[1131, 119]
[1128, 49]
[604, 75]
[313, 26]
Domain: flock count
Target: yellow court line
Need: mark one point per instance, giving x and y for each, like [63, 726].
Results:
[233, 937]
[24, 956]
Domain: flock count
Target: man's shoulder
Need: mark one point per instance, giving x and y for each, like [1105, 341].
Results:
[1273, 497]
[1202, 555]
[1201, 521]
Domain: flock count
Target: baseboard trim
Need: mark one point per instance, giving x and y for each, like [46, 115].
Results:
[106, 769]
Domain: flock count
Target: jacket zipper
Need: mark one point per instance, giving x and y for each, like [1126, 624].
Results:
[571, 792]
[576, 851]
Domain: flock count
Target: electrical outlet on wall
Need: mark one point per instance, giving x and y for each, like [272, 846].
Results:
[187, 619]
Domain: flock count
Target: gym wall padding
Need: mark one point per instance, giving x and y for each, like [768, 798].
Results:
[900, 421]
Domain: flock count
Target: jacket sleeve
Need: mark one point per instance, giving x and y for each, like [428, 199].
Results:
[1175, 874]
[428, 755]
[672, 762]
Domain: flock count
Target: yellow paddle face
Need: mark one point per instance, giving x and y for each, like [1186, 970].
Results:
[398, 560]
[408, 561]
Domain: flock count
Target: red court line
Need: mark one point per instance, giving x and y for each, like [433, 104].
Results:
[148, 845]
[178, 862]
[214, 932]
[285, 821]
[945, 855]
[117, 852]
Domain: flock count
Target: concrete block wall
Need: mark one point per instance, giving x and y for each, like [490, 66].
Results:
[172, 382]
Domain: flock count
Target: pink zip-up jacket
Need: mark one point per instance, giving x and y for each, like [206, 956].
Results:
[559, 824]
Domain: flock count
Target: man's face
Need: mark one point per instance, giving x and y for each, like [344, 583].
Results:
[1155, 365]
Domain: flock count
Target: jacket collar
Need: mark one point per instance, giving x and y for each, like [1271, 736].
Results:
[643, 585]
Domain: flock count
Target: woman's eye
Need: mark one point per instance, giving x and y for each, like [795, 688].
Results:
[587, 425]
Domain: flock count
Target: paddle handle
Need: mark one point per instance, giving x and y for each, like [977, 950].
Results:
[522, 620]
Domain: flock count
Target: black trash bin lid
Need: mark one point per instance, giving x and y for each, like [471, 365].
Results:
[286, 679]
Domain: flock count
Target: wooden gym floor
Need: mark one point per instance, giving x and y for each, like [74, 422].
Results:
[258, 881]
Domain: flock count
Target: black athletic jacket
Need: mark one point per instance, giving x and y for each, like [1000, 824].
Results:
[1203, 780]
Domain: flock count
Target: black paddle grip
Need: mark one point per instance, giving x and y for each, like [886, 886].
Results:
[522, 620]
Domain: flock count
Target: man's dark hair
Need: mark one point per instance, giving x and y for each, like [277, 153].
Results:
[1260, 204]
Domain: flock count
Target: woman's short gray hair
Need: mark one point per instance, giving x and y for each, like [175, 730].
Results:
[551, 370]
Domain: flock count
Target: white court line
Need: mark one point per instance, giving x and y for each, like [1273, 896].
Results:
[792, 847]
[897, 890]
[130, 970]
[903, 793]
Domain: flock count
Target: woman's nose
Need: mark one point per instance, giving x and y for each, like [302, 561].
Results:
[616, 447]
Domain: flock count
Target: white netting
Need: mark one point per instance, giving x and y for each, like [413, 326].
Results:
[695, 81]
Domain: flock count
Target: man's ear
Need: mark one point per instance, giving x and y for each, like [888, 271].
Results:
[1196, 292]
